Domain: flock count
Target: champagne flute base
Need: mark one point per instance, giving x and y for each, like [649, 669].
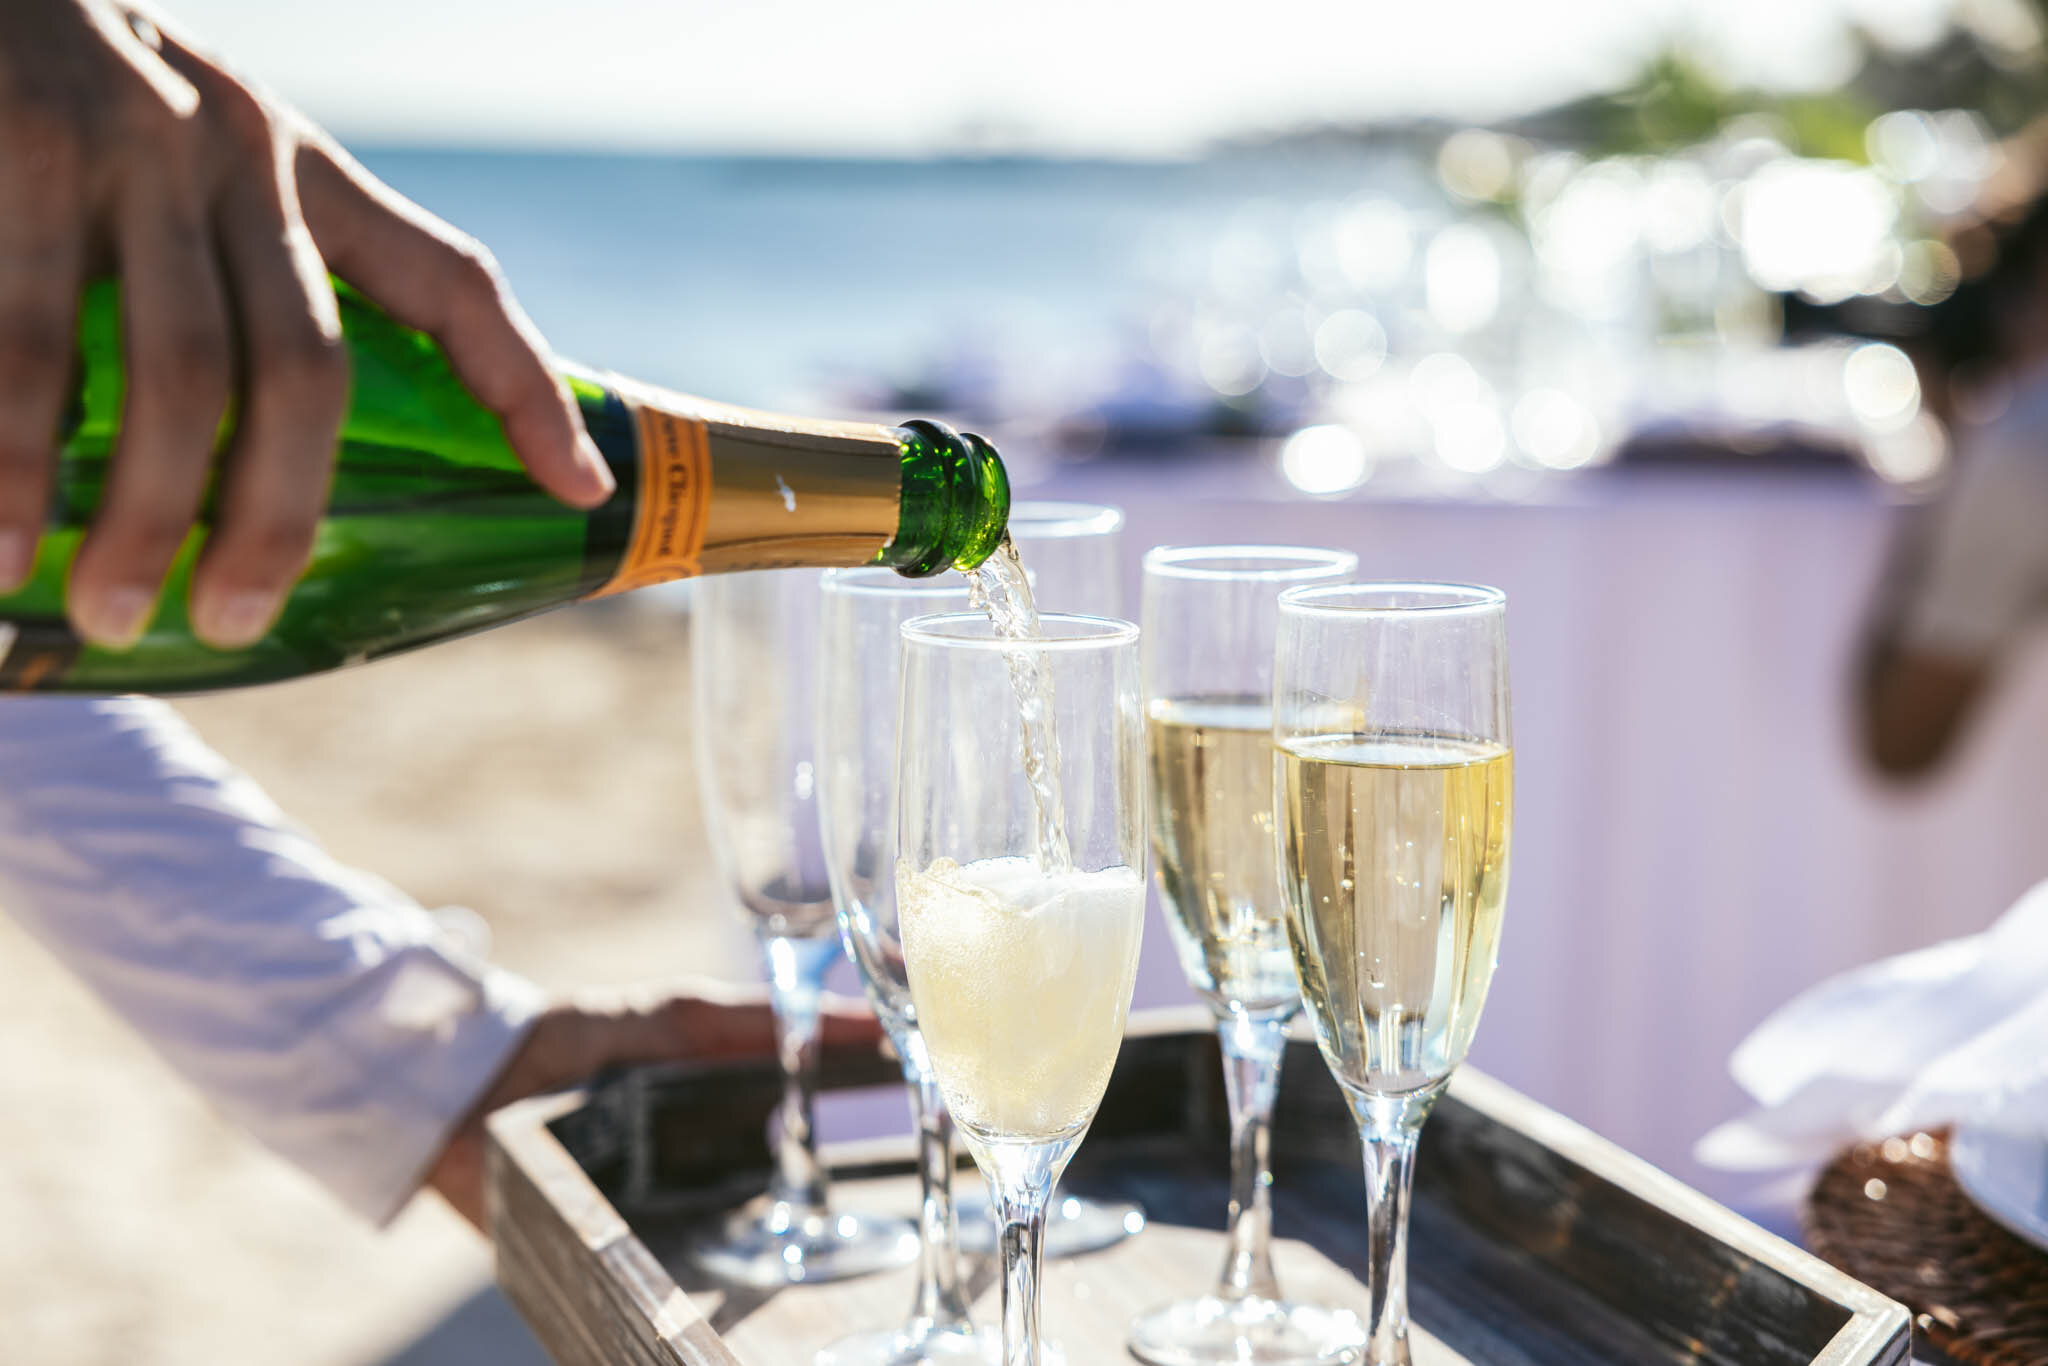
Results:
[1074, 1224]
[908, 1347]
[771, 1243]
[1251, 1331]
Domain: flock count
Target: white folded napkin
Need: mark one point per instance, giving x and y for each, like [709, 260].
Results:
[1956, 1033]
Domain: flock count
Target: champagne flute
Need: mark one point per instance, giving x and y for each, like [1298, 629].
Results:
[752, 658]
[1074, 552]
[862, 653]
[1393, 797]
[1210, 618]
[1021, 953]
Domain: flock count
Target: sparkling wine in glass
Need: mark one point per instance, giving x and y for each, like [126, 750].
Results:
[753, 659]
[1020, 972]
[862, 653]
[1394, 794]
[1074, 553]
[1210, 618]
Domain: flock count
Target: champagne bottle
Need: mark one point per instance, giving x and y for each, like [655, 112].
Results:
[434, 530]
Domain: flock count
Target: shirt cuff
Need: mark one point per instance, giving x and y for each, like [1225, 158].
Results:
[447, 1028]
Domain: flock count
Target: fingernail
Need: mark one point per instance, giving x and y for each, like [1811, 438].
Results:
[237, 620]
[118, 619]
[594, 461]
[17, 557]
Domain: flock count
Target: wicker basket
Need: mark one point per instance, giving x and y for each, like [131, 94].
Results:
[1891, 1215]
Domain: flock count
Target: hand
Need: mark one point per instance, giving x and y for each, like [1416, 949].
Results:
[124, 148]
[570, 1042]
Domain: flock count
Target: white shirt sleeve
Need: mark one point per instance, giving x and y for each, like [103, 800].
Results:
[1986, 567]
[320, 1008]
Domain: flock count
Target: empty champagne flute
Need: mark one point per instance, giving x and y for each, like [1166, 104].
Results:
[862, 653]
[753, 657]
[1210, 620]
[1075, 552]
[1393, 797]
[1021, 950]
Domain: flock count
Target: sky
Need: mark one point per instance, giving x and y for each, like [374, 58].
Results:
[1116, 77]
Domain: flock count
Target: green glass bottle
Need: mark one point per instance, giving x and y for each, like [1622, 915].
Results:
[434, 530]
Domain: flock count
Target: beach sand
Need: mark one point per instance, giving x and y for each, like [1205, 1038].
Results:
[539, 774]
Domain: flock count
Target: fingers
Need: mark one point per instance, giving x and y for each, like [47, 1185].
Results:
[457, 1176]
[704, 1022]
[691, 1028]
[721, 1020]
[427, 275]
[295, 393]
[179, 365]
[204, 220]
[41, 271]
[688, 1028]
[570, 1042]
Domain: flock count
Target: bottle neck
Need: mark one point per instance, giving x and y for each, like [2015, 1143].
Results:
[717, 489]
[955, 501]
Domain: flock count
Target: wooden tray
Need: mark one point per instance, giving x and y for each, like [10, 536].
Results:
[1533, 1242]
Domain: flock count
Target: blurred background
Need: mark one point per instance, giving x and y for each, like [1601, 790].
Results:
[1648, 312]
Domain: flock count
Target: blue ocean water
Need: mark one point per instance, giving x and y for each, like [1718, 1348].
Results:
[781, 281]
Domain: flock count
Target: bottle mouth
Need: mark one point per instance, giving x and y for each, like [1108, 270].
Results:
[964, 523]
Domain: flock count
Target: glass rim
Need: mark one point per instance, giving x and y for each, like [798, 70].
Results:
[876, 580]
[1058, 518]
[1288, 562]
[964, 631]
[1449, 599]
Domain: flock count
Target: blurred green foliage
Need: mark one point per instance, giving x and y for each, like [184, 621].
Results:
[1676, 100]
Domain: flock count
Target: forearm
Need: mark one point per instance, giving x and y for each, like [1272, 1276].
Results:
[1914, 706]
[320, 1008]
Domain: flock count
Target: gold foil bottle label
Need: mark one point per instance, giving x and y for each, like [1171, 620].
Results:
[675, 501]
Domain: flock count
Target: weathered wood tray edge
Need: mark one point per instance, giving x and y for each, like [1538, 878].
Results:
[593, 1294]
[1879, 1328]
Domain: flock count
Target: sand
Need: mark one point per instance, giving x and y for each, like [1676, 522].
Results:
[540, 774]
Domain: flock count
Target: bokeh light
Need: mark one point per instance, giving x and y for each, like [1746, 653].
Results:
[1477, 164]
[1822, 227]
[1882, 389]
[1375, 241]
[1911, 454]
[1325, 459]
[1443, 381]
[1555, 429]
[1461, 275]
[1350, 345]
[1470, 439]
[1928, 271]
[1287, 343]
[1903, 142]
[1229, 360]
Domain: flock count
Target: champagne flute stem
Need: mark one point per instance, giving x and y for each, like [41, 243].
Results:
[1252, 1049]
[796, 976]
[1388, 1129]
[1023, 1257]
[940, 1305]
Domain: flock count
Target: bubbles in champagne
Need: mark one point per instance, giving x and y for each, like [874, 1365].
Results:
[1212, 841]
[1022, 980]
[999, 588]
[1394, 867]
